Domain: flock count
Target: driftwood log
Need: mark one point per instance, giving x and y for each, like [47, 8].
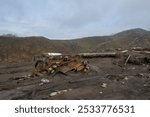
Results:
[95, 55]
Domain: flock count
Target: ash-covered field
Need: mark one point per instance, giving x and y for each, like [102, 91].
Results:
[106, 79]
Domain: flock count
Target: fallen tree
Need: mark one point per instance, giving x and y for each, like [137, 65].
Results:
[95, 55]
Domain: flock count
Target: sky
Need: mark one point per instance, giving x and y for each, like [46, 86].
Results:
[68, 19]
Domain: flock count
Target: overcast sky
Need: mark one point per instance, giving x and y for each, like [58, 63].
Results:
[72, 18]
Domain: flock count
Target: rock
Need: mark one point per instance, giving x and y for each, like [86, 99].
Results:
[59, 92]
[64, 91]
[126, 78]
[53, 94]
[104, 85]
[140, 74]
[41, 84]
[145, 85]
[52, 71]
[28, 76]
[70, 89]
[101, 92]
[133, 68]
[85, 70]
[44, 80]
[54, 66]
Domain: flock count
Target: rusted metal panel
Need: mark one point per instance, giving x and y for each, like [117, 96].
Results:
[61, 63]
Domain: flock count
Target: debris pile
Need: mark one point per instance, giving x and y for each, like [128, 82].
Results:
[63, 64]
[137, 57]
[57, 62]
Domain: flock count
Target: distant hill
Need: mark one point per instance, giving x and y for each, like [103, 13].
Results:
[22, 49]
[127, 39]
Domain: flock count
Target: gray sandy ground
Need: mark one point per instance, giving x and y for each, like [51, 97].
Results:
[105, 80]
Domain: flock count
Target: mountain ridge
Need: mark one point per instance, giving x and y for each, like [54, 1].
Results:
[20, 49]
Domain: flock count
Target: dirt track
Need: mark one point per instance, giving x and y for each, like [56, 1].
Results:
[105, 80]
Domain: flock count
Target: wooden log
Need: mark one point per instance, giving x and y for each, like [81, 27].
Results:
[127, 59]
[142, 52]
[140, 49]
[95, 55]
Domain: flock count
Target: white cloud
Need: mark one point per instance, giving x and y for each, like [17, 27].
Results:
[72, 18]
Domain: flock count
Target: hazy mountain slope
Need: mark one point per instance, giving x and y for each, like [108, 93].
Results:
[24, 48]
[128, 39]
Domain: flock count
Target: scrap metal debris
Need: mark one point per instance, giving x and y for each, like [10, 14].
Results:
[61, 64]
